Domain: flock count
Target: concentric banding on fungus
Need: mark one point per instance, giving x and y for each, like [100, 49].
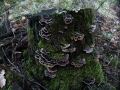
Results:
[43, 51]
[89, 81]
[63, 61]
[68, 19]
[49, 74]
[77, 36]
[79, 63]
[65, 58]
[68, 48]
[44, 33]
[52, 69]
[80, 37]
[51, 64]
[45, 19]
[88, 49]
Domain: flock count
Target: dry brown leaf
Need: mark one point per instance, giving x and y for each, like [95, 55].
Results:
[2, 78]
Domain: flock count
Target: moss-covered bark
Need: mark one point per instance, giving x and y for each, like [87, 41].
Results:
[68, 76]
[30, 39]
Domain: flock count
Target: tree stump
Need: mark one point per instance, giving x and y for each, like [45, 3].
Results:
[62, 61]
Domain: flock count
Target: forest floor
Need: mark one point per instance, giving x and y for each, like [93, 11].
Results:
[107, 41]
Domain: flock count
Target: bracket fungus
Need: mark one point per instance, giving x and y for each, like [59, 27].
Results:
[43, 51]
[68, 18]
[49, 74]
[43, 59]
[50, 63]
[44, 33]
[45, 19]
[89, 81]
[41, 55]
[77, 36]
[79, 63]
[92, 45]
[88, 49]
[68, 48]
[51, 69]
[63, 61]
[96, 55]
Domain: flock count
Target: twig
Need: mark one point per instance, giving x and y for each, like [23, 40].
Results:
[9, 60]
[15, 47]
[38, 84]
[100, 5]
[6, 21]
[2, 56]
[19, 69]
[8, 34]
[5, 66]
[1, 13]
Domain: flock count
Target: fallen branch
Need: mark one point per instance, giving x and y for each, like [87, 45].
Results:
[9, 34]
[19, 70]
[100, 5]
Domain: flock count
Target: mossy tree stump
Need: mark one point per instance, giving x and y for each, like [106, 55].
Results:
[59, 35]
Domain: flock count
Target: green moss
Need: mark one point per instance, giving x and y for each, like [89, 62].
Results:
[31, 68]
[31, 43]
[24, 53]
[10, 77]
[68, 76]
[30, 35]
[71, 76]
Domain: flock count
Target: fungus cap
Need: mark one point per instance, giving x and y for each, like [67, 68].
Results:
[79, 63]
[88, 49]
[89, 81]
[51, 69]
[64, 58]
[68, 19]
[49, 74]
[63, 61]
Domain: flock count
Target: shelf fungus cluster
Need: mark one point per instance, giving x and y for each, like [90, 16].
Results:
[68, 19]
[50, 64]
[79, 63]
[45, 20]
[63, 61]
[89, 81]
[77, 36]
[88, 49]
[67, 48]
[41, 55]
[43, 59]
[44, 33]
[49, 74]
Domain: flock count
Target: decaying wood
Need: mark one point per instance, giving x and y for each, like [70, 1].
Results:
[9, 34]
[30, 39]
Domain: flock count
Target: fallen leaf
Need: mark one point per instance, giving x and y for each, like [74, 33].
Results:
[2, 78]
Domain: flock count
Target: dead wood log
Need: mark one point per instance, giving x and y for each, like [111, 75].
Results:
[9, 34]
